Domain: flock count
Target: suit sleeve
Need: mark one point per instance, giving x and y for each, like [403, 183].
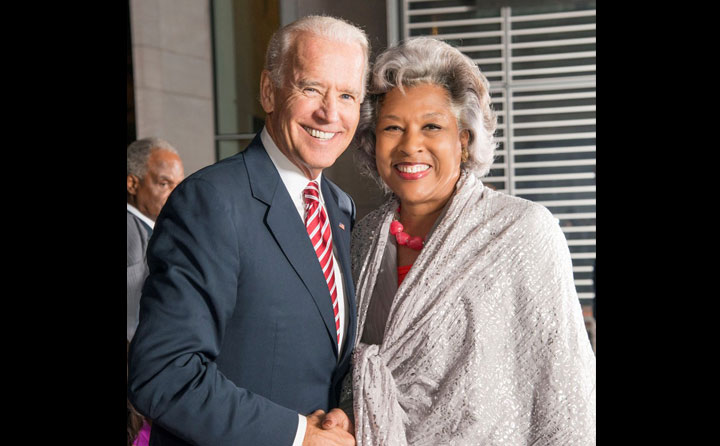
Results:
[188, 298]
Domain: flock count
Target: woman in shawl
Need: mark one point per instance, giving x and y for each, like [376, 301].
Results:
[470, 331]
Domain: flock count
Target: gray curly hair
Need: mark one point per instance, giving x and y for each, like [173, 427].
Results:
[332, 28]
[426, 60]
[138, 153]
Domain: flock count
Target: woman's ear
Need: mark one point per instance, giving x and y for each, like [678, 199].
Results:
[464, 141]
[465, 138]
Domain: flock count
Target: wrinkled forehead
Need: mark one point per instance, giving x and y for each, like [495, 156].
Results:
[315, 58]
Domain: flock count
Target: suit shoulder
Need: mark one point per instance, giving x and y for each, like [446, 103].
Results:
[226, 168]
[134, 226]
[223, 178]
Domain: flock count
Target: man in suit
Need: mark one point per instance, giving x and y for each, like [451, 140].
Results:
[247, 324]
[154, 168]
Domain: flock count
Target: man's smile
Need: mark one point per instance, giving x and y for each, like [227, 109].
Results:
[319, 134]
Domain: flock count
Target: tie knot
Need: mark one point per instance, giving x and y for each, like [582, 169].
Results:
[311, 193]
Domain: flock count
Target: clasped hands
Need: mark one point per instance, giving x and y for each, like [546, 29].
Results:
[333, 428]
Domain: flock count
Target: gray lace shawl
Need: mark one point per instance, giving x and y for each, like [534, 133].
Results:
[485, 341]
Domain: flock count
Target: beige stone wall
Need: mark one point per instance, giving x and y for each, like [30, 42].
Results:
[172, 67]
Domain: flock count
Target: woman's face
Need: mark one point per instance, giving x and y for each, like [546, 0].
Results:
[418, 145]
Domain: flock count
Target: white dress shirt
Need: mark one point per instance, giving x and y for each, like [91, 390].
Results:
[135, 211]
[295, 182]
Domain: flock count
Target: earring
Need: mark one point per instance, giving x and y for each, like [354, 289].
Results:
[464, 155]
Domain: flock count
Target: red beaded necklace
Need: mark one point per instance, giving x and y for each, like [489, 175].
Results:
[402, 237]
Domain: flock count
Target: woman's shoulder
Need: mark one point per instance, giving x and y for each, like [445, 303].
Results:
[521, 209]
[373, 218]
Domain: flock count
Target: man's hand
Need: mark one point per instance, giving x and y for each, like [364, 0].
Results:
[338, 417]
[316, 435]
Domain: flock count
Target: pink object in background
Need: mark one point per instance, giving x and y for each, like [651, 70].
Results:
[143, 438]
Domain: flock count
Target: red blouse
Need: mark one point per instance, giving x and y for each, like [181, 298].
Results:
[402, 272]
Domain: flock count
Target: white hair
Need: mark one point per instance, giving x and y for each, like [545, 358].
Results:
[426, 60]
[138, 153]
[331, 28]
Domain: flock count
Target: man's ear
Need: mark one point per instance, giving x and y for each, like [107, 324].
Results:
[132, 184]
[267, 92]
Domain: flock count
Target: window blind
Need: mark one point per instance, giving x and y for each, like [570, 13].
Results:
[540, 61]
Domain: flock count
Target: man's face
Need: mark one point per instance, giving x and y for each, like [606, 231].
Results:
[312, 117]
[165, 171]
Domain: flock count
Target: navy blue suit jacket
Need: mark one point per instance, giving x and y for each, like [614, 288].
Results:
[236, 333]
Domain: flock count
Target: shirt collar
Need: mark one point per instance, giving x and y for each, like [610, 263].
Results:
[291, 175]
[141, 216]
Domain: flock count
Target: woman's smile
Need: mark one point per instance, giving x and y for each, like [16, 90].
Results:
[418, 145]
[410, 171]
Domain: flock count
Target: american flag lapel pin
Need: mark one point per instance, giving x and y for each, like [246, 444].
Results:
[342, 226]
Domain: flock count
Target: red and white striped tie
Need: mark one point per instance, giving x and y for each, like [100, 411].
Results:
[318, 228]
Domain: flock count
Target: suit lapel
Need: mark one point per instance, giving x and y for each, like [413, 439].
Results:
[287, 228]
